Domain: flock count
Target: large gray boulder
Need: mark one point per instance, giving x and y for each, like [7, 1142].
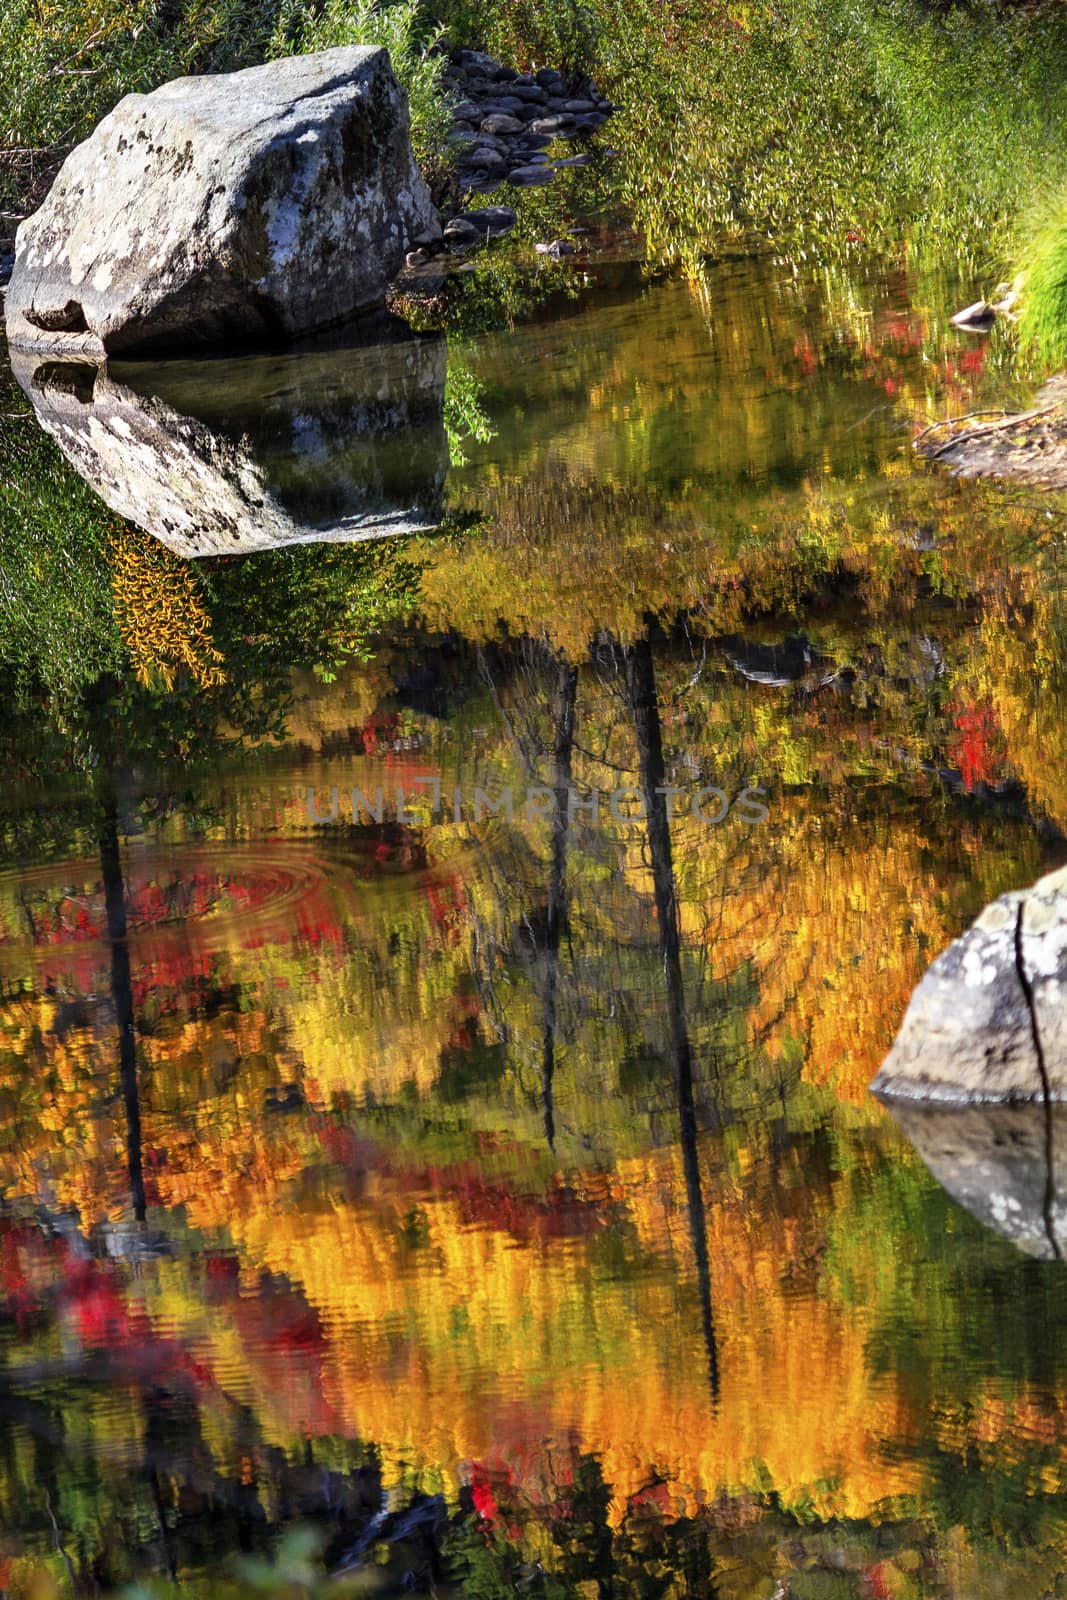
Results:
[238, 454]
[248, 206]
[988, 1022]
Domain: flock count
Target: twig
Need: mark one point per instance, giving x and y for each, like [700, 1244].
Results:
[992, 427]
[950, 422]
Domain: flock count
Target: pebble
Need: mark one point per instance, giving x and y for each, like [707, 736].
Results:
[490, 219]
[530, 177]
[506, 119]
[503, 124]
[483, 159]
[461, 231]
[554, 127]
[479, 60]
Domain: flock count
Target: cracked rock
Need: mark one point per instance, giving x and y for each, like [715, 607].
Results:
[988, 1023]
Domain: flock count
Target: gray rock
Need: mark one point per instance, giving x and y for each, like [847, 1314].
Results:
[240, 454]
[464, 231]
[553, 127]
[530, 177]
[483, 159]
[529, 94]
[467, 111]
[556, 248]
[489, 219]
[502, 122]
[573, 161]
[478, 61]
[988, 1022]
[549, 78]
[244, 206]
[577, 106]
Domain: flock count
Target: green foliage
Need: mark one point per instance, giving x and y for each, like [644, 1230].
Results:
[464, 416]
[1043, 328]
[56, 619]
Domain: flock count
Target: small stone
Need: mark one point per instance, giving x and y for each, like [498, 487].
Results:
[530, 177]
[574, 161]
[502, 124]
[557, 249]
[482, 159]
[553, 127]
[490, 219]
[467, 111]
[528, 158]
[523, 80]
[480, 62]
[462, 231]
[528, 94]
[578, 106]
[462, 134]
[417, 258]
[549, 78]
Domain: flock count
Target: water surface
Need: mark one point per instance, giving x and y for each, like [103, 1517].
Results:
[352, 1161]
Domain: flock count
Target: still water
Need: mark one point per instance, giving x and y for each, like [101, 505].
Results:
[500, 1194]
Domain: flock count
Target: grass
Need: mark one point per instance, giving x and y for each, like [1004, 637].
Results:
[1043, 324]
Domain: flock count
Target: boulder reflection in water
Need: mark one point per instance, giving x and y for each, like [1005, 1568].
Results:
[236, 454]
[1006, 1164]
